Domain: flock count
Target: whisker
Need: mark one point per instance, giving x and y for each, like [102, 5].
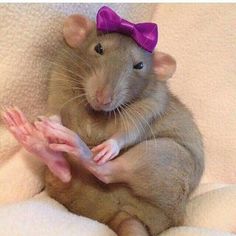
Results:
[122, 119]
[146, 122]
[82, 59]
[141, 125]
[68, 78]
[70, 56]
[70, 100]
[114, 115]
[134, 121]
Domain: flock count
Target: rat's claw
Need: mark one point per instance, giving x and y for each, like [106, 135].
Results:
[100, 155]
[107, 150]
[106, 158]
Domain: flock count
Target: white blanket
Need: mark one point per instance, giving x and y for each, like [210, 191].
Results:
[43, 216]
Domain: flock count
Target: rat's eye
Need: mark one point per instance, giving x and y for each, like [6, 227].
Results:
[138, 66]
[98, 48]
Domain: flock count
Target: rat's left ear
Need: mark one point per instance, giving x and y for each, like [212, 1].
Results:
[76, 28]
[164, 65]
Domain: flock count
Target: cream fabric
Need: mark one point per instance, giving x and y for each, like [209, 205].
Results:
[43, 216]
[202, 39]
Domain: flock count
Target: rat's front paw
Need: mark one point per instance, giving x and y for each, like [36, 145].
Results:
[106, 151]
[34, 141]
[63, 139]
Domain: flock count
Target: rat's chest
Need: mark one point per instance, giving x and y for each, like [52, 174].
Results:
[92, 132]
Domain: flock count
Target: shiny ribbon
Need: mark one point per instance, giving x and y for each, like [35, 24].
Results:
[144, 34]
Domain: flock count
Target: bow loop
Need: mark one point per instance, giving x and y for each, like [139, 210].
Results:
[144, 34]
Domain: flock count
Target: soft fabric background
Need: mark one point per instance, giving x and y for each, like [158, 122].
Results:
[202, 39]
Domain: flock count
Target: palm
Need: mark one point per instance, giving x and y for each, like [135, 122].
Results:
[34, 141]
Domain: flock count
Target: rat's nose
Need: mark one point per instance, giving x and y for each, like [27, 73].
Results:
[103, 98]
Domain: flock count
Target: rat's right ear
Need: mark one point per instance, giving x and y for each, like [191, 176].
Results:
[76, 28]
[164, 65]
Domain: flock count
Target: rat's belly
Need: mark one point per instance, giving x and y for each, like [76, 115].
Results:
[90, 198]
[85, 196]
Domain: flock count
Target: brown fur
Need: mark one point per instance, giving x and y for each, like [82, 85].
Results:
[162, 157]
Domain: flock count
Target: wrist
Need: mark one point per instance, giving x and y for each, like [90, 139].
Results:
[118, 140]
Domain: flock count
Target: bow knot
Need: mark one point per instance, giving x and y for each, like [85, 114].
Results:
[144, 34]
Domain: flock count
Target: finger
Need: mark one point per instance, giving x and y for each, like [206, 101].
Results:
[61, 148]
[14, 121]
[10, 118]
[38, 125]
[98, 147]
[28, 126]
[20, 114]
[7, 120]
[55, 136]
[74, 138]
[18, 134]
[55, 140]
[99, 155]
[64, 175]
[59, 134]
[14, 116]
[61, 169]
[60, 127]
[105, 158]
[50, 140]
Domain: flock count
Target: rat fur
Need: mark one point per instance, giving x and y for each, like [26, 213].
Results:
[161, 159]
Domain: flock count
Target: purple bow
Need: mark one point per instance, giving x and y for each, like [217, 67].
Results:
[145, 34]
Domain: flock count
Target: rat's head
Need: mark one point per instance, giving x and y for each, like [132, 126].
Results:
[117, 69]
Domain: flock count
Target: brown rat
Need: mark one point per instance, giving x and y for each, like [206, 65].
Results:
[162, 153]
[108, 90]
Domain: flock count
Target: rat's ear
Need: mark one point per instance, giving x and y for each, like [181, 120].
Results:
[76, 28]
[164, 65]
